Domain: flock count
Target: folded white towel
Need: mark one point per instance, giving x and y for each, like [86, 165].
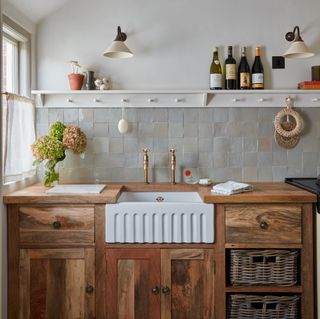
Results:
[231, 187]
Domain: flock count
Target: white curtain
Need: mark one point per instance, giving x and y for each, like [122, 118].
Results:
[18, 135]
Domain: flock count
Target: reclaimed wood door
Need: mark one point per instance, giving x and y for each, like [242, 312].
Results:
[133, 283]
[57, 283]
[187, 284]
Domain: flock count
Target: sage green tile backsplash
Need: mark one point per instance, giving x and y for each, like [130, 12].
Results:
[223, 144]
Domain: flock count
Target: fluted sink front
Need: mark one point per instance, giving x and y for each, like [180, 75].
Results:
[159, 217]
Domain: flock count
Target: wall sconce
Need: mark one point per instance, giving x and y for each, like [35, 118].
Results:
[298, 49]
[118, 49]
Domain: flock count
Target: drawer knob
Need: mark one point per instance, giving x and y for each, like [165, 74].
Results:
[166, 290]
[264, 225]
[89, 289]
[56, 225]
[155, 290]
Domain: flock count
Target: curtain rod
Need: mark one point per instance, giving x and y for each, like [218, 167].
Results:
[18, 97]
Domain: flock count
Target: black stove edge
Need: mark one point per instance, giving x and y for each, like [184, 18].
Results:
[295, 182]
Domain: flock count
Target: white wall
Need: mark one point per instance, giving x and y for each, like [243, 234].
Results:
[173, 39]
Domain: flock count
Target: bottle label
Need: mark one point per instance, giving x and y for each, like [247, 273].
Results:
[215, 80]
[245, 80]
[231, 72]
[257, 78]
[217, 62]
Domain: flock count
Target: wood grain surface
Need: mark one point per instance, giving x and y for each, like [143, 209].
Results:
[189, 274]
[131, 275]
[53, 283]
[263, 224]
[264, 192]
[76, 224]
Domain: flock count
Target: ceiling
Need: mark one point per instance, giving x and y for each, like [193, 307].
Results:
[36, 10]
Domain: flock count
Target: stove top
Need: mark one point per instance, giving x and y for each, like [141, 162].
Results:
[311, 184]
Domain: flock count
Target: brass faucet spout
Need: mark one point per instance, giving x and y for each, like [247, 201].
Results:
[173, 165]
[145, 165]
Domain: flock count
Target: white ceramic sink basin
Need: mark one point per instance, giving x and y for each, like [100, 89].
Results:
[159, 217]
[164, 197]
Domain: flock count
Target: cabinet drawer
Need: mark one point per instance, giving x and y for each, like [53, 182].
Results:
[263, 224]
[56, 224]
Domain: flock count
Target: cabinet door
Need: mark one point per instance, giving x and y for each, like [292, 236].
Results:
[187, 284]
[133, 283]
[57, 283]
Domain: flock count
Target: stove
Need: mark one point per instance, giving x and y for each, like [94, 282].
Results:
[311, 184]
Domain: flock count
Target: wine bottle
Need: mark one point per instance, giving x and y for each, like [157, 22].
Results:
[215, 72]
[243, 71]
[231, 73]
[257, 72]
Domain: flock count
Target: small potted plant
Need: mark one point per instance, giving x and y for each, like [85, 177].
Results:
[75, 78]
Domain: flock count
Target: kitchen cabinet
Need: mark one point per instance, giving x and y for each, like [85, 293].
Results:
[160, 283]
[56, 283]
[269, 227]
[57, 248]
[51, 262]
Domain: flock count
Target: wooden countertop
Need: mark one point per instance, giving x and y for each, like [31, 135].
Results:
[277, 192]
[36, 194]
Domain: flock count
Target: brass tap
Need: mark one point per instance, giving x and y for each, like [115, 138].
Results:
[145, 165]
[173, 165]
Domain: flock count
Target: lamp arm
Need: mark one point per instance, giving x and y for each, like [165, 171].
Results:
[121, 36]
[291, 36]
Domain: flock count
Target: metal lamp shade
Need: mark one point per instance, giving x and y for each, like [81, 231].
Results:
[118, 50]
[298, 49]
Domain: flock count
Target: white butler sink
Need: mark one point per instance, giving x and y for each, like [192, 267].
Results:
[159, 217]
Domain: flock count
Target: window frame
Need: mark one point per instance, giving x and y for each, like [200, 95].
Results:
[15, 42]
[14, 32]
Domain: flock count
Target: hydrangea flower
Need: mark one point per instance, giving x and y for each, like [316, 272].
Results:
[56, 130]
[47, 147]
[51, 148]
[74, 139]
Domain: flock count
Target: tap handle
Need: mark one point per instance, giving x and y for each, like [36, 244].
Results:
[173, 151]
[145, 151]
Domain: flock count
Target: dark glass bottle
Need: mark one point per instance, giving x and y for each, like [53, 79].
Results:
[243, 71]
[257, 72]
[231, 73]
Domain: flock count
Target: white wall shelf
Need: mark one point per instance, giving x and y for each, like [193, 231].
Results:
[175, 98]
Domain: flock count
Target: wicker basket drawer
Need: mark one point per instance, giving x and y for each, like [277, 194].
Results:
[56, 224]
[263, 224]
[263, 307]
[263, 267]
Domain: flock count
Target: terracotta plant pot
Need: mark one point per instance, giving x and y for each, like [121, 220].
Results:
[75, 81]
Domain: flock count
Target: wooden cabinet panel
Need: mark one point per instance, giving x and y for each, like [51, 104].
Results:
[56, 224]
[187, 281]
[57, 283]
[132, 274]
[263, 224]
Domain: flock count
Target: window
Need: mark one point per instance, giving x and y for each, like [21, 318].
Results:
[16, 58]
[18, 127]
[10, 65]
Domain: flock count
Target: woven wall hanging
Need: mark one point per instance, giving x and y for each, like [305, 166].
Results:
[288, 126]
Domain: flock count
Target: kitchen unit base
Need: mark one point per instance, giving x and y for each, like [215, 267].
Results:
[82, 276]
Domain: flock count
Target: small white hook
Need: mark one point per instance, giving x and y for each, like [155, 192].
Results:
[289, 102]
